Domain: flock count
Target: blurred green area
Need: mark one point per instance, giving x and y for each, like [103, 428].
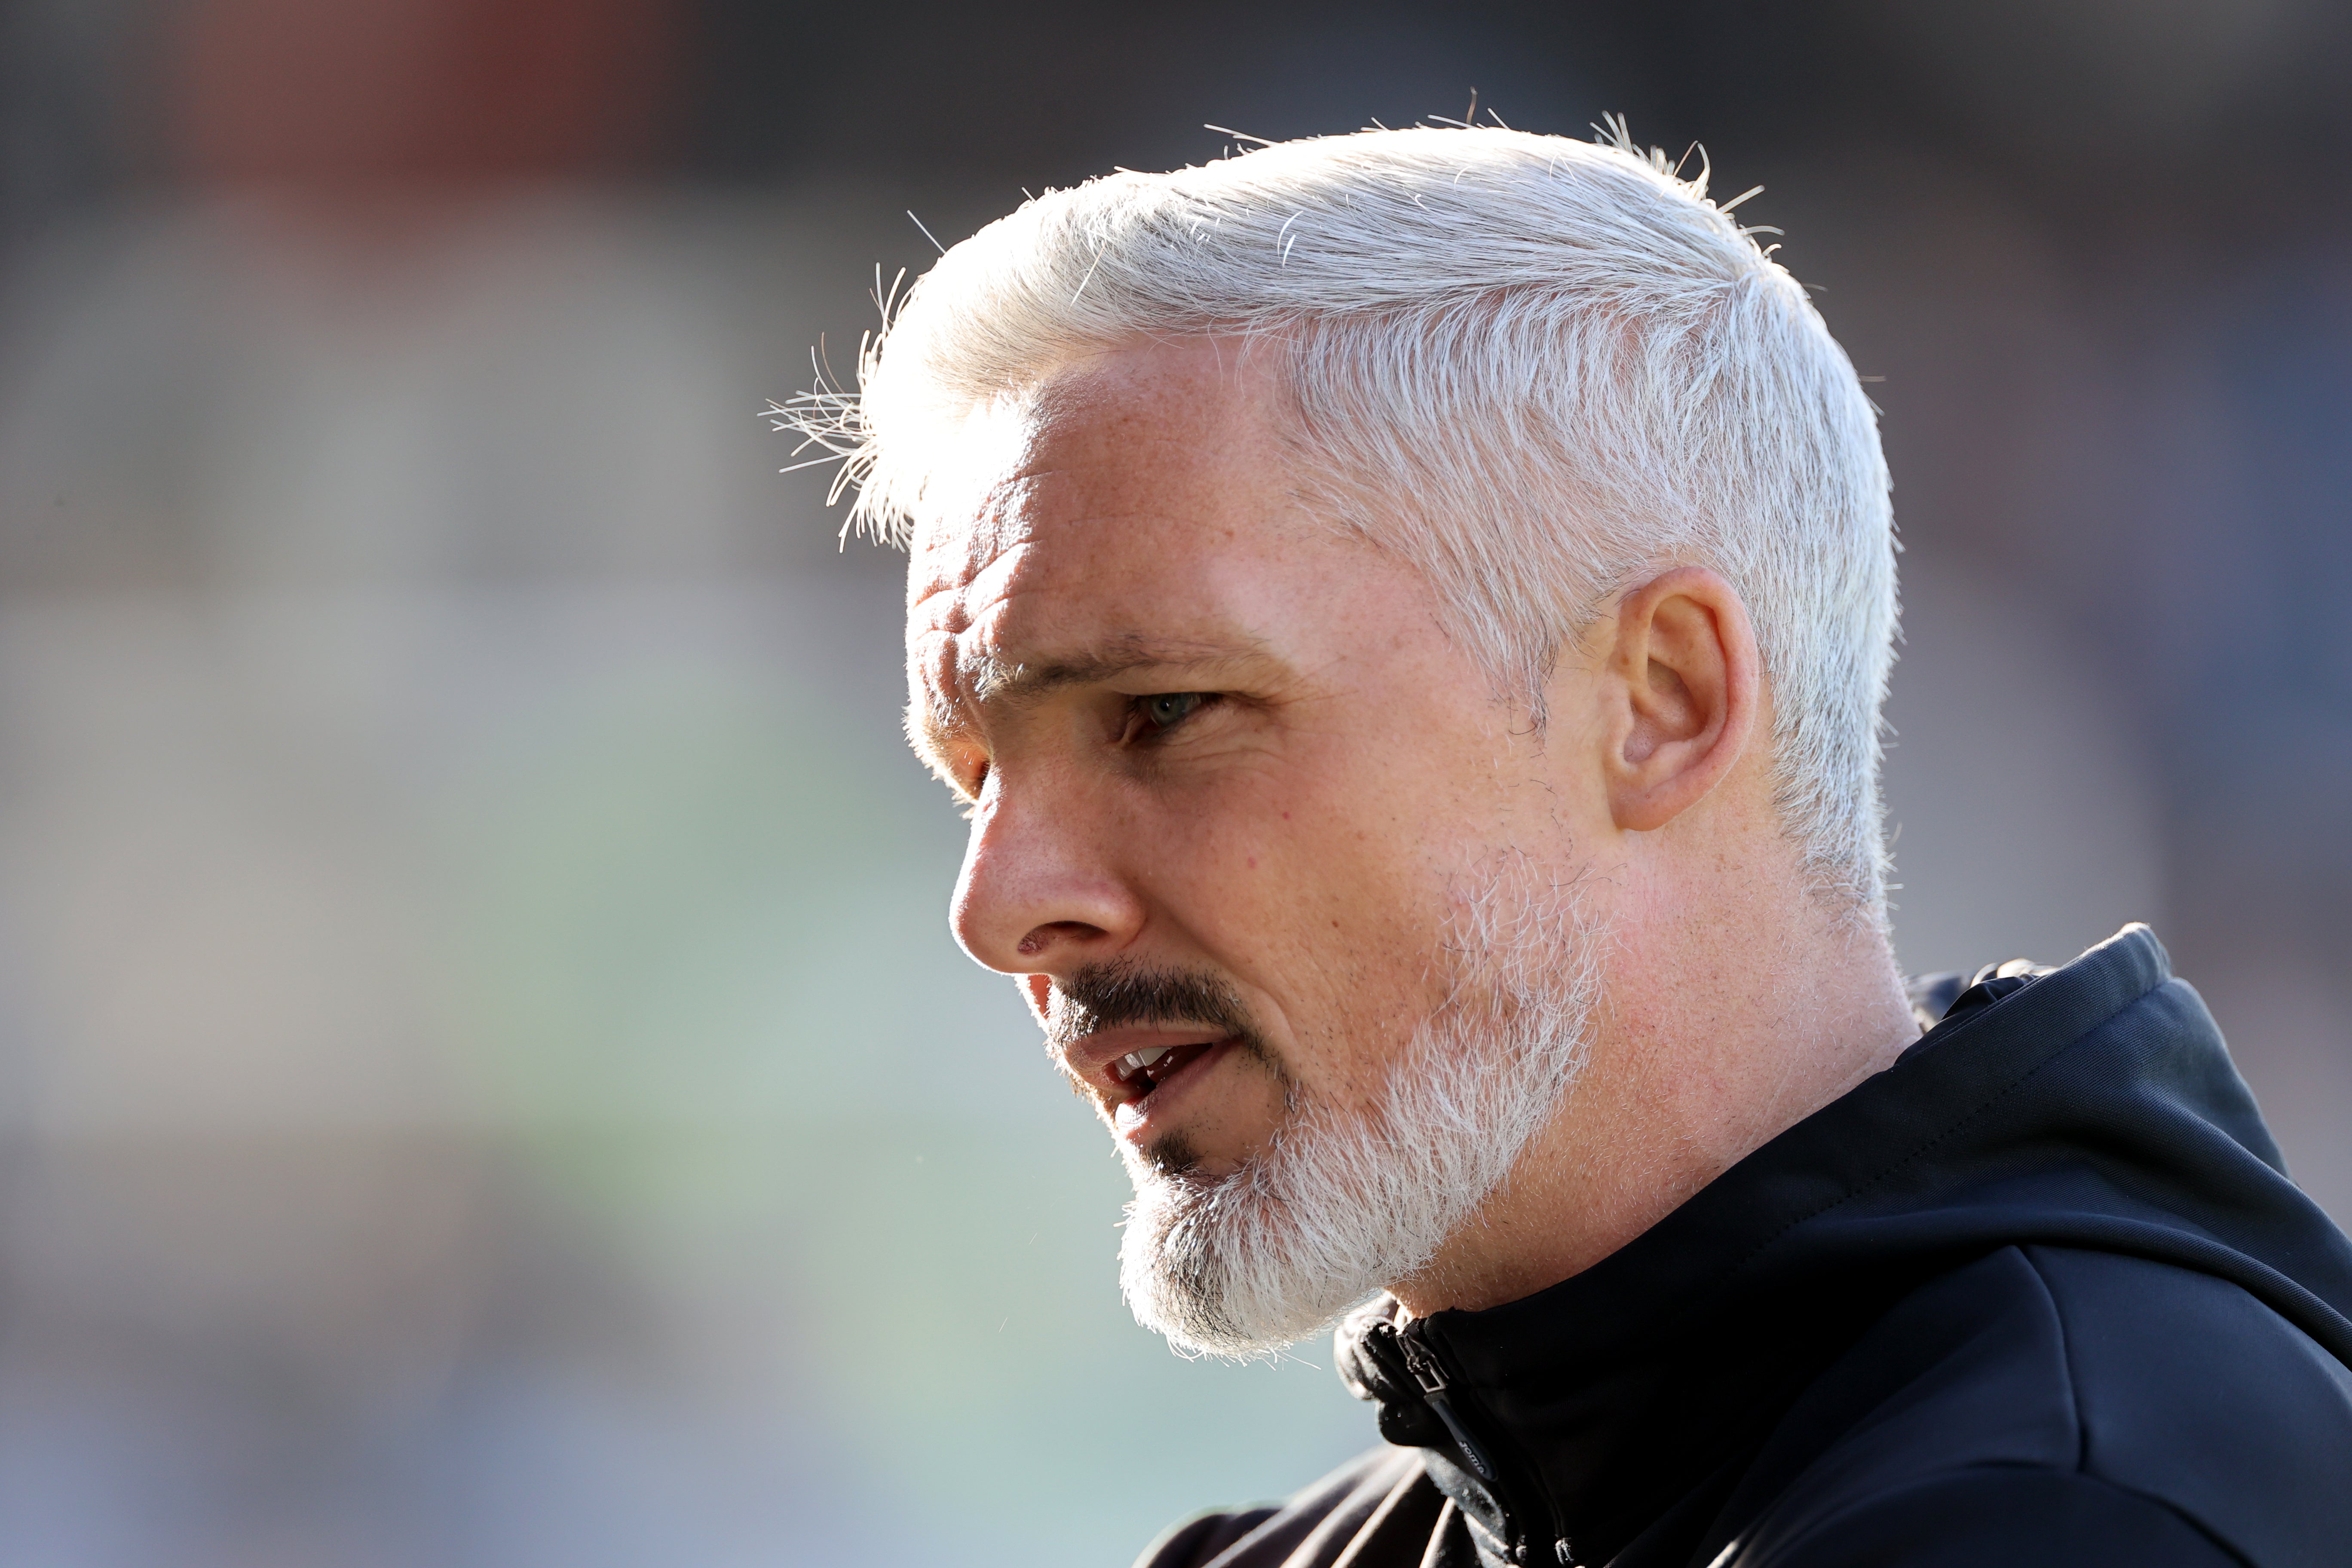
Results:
[701, 971]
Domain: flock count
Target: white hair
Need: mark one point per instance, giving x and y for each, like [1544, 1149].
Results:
[1538, 369]
[1343, 1200]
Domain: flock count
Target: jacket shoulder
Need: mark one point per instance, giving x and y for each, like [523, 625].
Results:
[2063, 1391]
[2016, 1517]
[2189, 1389]
[1378, 1500]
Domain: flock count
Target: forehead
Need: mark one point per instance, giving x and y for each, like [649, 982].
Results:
[1147, 484]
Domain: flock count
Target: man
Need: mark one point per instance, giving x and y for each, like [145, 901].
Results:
[1407, 614]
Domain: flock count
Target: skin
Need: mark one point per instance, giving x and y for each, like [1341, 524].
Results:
[1300, 831]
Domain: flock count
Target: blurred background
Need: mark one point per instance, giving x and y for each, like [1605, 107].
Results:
[483, 1075]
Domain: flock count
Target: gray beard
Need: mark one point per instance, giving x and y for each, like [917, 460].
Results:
[1342, 1202]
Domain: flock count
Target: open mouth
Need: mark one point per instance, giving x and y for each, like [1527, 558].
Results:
[1142, 1071]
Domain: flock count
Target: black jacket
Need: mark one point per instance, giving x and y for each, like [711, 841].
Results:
[2041, 1293]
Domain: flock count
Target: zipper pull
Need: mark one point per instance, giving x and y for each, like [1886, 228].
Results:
[1431, 1377]
[1561, 1550]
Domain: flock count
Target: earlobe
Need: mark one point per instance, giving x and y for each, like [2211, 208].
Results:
[1683, 675]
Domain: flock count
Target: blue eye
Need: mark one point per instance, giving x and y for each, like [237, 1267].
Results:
[1166, 710]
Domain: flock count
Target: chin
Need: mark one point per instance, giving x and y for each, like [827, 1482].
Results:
[1339, 1203]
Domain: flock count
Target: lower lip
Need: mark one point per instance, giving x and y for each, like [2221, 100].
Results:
[1141, 1120]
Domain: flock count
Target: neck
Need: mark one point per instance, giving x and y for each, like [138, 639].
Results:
[1699, 1056]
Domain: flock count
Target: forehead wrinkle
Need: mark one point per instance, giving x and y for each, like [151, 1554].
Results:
[934, 717]
[1004, 517]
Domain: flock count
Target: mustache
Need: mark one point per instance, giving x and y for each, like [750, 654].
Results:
[1116, 994]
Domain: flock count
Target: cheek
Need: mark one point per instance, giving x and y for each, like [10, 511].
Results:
[1338, 923]
[1269, 863]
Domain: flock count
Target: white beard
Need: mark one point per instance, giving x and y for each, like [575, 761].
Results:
[1339, 1203]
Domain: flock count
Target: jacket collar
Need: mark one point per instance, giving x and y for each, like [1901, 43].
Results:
[1566, 1423]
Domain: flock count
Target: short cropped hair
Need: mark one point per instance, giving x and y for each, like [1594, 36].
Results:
[1540, 370]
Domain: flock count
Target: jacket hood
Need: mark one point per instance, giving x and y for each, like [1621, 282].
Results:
[2092, 1106]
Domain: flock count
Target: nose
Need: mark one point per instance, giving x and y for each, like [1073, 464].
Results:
[1039, 893]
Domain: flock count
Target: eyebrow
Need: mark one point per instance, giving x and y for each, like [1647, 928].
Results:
[1005, 683]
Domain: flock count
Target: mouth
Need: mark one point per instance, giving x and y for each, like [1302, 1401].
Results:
[1139, 1085]
[1141, 1072]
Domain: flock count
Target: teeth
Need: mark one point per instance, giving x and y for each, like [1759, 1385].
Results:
[1136, 1061]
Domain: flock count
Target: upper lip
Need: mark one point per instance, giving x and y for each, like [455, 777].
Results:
[1096, 1056]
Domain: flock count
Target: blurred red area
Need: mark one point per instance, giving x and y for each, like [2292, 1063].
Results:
[335, 100]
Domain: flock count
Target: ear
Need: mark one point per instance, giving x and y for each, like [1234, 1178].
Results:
[1682, 683]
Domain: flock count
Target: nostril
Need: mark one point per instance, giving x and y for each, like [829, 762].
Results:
[1044, 936]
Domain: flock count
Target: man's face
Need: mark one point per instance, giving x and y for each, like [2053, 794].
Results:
[1239, 808]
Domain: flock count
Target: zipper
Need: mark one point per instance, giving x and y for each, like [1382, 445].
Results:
[1422, 1363]
[1440, 1394]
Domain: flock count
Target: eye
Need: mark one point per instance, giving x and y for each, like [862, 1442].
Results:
[1163, 711]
